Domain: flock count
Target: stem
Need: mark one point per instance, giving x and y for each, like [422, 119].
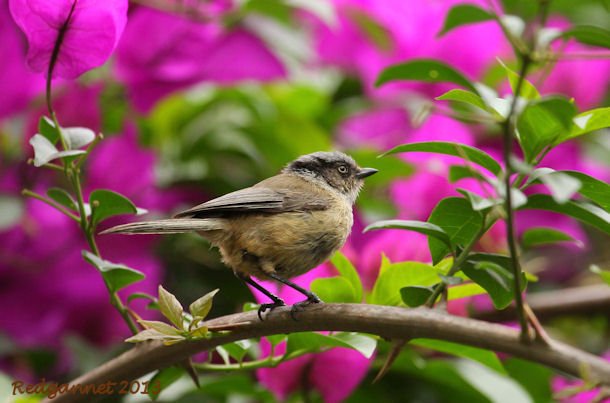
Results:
[52, 203]
[85, 225]
[510, 224]
[269, 361]
[455, 267]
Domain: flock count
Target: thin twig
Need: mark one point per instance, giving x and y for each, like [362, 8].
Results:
[52, 203]
[510, 224]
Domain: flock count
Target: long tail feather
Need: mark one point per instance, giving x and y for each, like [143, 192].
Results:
[169, 226]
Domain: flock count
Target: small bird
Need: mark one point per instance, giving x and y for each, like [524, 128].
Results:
[279, 228]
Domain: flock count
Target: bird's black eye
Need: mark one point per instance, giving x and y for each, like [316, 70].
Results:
[342, 169]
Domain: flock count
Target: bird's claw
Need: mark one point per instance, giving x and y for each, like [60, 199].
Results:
[263, 307]
[298, 307]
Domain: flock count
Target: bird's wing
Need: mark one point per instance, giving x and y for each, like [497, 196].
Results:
[270, 196]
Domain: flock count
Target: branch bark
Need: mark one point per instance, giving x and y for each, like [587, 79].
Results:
[547, 305]
[387, 322]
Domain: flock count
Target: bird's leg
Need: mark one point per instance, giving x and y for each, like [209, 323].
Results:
[311, 297]
[277, 301]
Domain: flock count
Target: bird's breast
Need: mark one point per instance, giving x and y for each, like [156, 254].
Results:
[290, 243]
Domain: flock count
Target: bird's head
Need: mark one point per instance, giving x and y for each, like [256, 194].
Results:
[336, 169]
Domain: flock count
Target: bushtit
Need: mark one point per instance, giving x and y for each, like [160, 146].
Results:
[279, 228]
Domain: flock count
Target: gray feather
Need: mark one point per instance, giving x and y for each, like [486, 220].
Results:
[245, 200]
[169, 226]
[278, 194]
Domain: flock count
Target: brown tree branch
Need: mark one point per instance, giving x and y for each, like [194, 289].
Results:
[385, 321]
[551, 304]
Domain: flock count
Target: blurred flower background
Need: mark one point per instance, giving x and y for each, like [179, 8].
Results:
[200, 98]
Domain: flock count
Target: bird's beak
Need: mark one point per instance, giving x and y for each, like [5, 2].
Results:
[365, 172]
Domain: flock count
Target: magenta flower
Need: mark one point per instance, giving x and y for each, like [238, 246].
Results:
[559, 383]
[324, 372]
[411, 27]
[180, 52]
[18, 84]
[390, 124]
[85, 31]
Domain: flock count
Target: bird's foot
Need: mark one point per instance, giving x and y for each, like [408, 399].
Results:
[299, 306]
[263, 307]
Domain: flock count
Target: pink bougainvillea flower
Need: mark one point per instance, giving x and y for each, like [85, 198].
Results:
[207, 52]
[19, 85]
[83, 33]
[324, 372]
[411, 29]
[559, 384]
[390, 124]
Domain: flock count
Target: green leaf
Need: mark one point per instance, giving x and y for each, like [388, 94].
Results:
[348, 272]
[116, 276]
[605, 275]
[428, 70]
[374, 31]
[593, 189]
[45, 151]
[46, 127]
[276, 339]
[543, 123]
[162, 379]
[422, 227]
[415, 295]
[535, 378]
[485, 357]
[562, 186]
[278, 10]
[479, 203]
[467, 97]
[496, 387]
[395, 276]
[589, 35]
[585, 212]
[464, 14]
[588, 121]
[528, 91]
[152, 304]
[151, 334]
[299, 343]
[457, 218]
[106, 203]
[199, 332]
[544, 236]
[494, 274]
[238, 349]
[170, 307]
[201, 307]
[160, 327]
[141, 295]
[464, 290]
[364, 344]
[334, 289]
[463, 151]
[62, 197]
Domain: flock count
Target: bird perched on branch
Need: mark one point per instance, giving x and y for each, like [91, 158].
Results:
[279, 228]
